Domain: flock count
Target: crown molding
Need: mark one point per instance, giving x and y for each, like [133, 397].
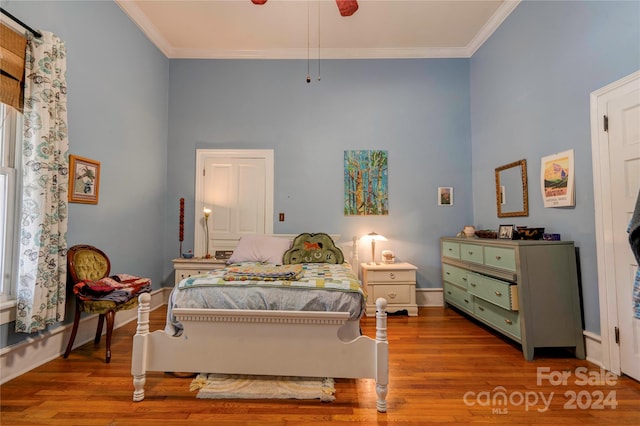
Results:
[135, 14]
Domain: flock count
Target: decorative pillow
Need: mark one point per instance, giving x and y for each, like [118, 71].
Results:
[260, 248]
[313, 248]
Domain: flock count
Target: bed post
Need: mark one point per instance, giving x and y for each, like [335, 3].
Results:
[382, 353]
[139, 351]
[355, 261]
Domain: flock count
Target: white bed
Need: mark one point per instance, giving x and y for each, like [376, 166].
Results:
[263, 342]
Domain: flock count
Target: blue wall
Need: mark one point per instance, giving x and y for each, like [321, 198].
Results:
[524, 94]
[417, 110]
[530, 87]
[118, 86]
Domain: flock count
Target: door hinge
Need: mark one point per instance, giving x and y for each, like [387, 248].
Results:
[605, 123]
[616, 330]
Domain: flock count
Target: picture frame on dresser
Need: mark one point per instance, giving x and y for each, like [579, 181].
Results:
[505, 232]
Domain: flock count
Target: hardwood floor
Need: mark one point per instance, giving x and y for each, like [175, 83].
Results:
[444, 368]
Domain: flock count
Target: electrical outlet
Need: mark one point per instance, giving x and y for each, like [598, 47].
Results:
[281, 217]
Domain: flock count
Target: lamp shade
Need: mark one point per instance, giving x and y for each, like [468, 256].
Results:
[373, 237]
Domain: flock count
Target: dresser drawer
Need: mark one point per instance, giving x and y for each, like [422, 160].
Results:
[391, 275]
[490, 289]
[450, 249]
[457, 296]
[471, 253]
[454, 275]
[507, 321]
[498, 257]
[394, 294]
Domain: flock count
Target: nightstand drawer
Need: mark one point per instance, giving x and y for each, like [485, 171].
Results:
[507, 321]
[503, 258]
[394, 294]
[492, 290]
[457, 296]
[454, 275]
[450, 249]
[471, 253]
[390, 275]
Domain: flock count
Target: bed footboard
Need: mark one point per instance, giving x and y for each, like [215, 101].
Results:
[282, 343]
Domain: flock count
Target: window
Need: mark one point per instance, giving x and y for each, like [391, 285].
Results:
[10, 122]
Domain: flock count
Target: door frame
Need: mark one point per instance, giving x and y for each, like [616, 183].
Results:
[610, 351]
[201, 156]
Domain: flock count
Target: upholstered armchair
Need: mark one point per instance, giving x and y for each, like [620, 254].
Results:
[95, 292]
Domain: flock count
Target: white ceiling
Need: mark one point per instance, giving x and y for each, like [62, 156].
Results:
[302, 29]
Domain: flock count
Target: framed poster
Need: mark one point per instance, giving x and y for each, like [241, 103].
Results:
[557, 177]
[84, 180]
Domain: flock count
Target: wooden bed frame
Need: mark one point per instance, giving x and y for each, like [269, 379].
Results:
[283, 343]
[261, 342]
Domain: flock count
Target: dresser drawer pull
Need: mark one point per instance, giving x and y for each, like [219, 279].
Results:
[498, 294]
[466, 301]
[464, 278]
[481, 308]
[470, 253]
[392, 295]
[448, 292]
[472, 284]
[498, 257]
[508, 321]
[450, 249]
[392, 276]
[448, 273]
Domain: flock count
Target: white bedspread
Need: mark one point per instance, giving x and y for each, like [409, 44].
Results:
[322, 287]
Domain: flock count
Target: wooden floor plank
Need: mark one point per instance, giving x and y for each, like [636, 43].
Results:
[444, 368]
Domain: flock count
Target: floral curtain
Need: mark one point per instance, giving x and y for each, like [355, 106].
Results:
[43, 238]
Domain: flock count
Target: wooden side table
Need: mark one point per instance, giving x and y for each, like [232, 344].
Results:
[396, 282]
[184, 268]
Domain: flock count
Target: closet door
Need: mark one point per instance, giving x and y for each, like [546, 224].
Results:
[237, 185]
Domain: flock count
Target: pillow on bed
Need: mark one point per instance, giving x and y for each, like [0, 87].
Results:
[260, 248]
[313, 248]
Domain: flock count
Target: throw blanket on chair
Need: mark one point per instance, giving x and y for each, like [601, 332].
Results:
[116, 288]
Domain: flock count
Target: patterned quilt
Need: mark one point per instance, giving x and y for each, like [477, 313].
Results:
[325, 276]
[319, 287]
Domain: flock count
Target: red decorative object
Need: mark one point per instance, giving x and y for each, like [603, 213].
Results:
[346, 7]
[181, 219]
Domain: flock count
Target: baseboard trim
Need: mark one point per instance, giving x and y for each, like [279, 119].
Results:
[593, 348]
[428, 297]
[22, 357]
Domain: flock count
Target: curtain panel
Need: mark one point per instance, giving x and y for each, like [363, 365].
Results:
[12, 53]
[43, 236]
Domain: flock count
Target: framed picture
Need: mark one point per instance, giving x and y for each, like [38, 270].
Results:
[505, 232]
[84, 180]
[445, 196]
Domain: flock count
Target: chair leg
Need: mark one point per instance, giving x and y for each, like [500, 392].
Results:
[74, 331]
[110, 320]
[99, 329]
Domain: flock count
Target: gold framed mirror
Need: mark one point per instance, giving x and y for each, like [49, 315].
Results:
[511, 189]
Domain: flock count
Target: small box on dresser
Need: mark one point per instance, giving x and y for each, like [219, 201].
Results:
[185, 268]
[395, 282]
[525, 289]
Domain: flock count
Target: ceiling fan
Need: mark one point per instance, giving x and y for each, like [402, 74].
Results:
[346, 7]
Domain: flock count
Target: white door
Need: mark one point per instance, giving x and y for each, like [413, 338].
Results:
[237, 186]
[620, 186]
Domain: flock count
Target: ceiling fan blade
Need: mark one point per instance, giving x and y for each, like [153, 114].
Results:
[346, 7]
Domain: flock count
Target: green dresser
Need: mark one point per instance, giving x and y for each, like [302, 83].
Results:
[527, 290]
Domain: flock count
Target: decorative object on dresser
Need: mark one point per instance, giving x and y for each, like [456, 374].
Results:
[505, 232]
[207, 213]
[525, 289]
[512, 194]
[395, 282]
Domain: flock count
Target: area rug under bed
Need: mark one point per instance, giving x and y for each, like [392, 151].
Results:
[239, 386]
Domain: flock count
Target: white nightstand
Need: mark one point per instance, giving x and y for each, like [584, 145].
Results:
[396, 282]
[184, 268]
